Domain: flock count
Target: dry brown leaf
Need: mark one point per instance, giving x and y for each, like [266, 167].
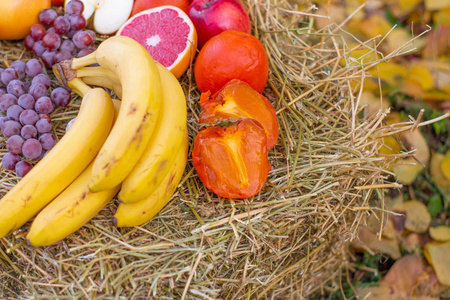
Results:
[418, 218]
[408, 278]
[404, 273]
[438, 255]
[374, 225]
[368, 239]
[437, 43]
[440, 233]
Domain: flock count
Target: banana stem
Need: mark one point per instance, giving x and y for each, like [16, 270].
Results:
[78, 86]
[96, 72]
[84, 61]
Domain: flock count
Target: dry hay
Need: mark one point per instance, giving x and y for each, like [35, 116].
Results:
[289, 241]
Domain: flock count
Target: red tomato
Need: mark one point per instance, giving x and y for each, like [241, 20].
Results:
[232, 161]
[238, 100]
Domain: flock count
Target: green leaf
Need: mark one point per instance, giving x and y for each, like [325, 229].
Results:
[434, 205]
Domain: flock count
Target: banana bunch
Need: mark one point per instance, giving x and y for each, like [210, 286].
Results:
[135, 148]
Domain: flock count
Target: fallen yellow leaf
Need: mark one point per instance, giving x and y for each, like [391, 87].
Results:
[436, 4]
[436, 171]
[438, 256]
[367, 240]
[445, 165]
[440, 233]
[418, 218]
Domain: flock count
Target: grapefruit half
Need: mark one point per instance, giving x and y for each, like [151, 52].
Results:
[167, 33]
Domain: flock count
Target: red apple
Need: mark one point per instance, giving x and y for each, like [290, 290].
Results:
[57, 2]
[211, 17]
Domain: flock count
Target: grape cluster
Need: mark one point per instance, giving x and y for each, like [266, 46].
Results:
[25, 107]
[60, 38]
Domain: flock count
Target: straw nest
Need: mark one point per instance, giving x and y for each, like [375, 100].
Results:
[289, 241]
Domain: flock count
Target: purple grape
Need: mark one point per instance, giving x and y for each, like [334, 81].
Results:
[14, 144]
[3, 119]
[74, 7]
[10, 160]
[62, 55]
[61, 25]
[67, 45]
[14, 112]
[71, 33]
[42, 79]
[91, 33]
[37, 32]
[22, 168]
[29, 117]
[1, 83]
[82, 40]
[77, 22]
[28, 132]
[47, 16]
[28, 42]
[51, 41]
[11, 128]
[26, 101]
[84, 52]
[48, 58]
[2, 92]
[6, 101]
[34, 67]
[31, 148]
[8, 75]
[51, 30]
[27, 85]
[44, 105]
[19, 66]
[16, 87]
[38, 48]
[60, 96]
[45, 116]
[38, 90]
[43, 126]
[47, 140]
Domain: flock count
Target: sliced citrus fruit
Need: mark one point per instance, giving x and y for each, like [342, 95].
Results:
[168, 35]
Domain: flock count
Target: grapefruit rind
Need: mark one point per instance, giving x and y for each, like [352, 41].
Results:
[185, 56]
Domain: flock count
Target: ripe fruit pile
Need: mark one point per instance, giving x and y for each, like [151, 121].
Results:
[137, 147]
[59, 38]
[25, 108]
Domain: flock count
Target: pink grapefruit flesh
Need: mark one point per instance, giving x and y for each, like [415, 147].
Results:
[168, 35]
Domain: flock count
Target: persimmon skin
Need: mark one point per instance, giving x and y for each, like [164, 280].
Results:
[231, 55]
[238, 100]
[232, 161]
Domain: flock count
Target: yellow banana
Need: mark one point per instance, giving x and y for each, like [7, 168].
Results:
[164, 143]
[134, 214]
[63, 164]
[141, 100]
[69, 211]
[166, 138]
